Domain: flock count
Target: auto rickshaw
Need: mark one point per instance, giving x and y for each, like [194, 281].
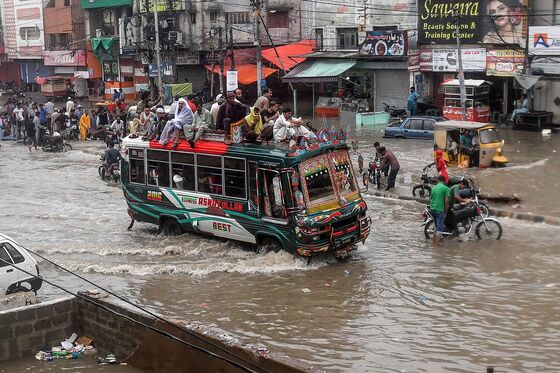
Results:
[486, 152]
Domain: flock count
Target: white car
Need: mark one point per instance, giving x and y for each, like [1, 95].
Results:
[12, 280]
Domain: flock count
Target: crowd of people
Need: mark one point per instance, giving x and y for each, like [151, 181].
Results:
[266, 120]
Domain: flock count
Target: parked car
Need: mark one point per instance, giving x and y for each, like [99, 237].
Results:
[13, 280]
[413, 128]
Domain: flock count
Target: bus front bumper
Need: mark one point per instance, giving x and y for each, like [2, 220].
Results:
[341, 241]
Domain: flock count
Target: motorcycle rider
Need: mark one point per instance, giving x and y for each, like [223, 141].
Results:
[112, 155]
[441, 165]
[456, 197]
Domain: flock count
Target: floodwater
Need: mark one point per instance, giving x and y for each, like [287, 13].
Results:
[396, 305]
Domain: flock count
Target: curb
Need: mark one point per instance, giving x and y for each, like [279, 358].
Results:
[527, 216]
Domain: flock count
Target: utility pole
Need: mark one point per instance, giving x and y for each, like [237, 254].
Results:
[257, 20]
[158, 52]
[212, 34]
[231, 47]
[221, 46]
[363, 31]
[461, 74]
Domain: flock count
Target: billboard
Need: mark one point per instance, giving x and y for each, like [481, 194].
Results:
[384, 43]
[147, 6]
[504, 62]
[65, 58]
[544, 40]
[445, 60]
[480, 21]
[128, 35]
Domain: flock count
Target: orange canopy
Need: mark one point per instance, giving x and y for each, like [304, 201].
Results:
[286, 53]
[246, 73]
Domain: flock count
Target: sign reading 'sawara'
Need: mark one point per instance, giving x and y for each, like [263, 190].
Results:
[384, 43]
[480, 21]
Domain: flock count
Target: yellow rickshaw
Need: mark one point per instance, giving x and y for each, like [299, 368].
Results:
[485, 149]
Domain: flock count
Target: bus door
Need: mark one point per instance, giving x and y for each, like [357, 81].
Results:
[271, 203]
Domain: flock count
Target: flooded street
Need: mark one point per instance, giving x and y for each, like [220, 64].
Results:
[396, 305]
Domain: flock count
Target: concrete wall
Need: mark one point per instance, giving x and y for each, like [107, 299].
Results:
[26, 330]
[545, 91]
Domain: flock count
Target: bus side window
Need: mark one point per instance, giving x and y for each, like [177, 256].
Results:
[158, 168]
[182, 166]
[137, 166]
[234, 173]
[272, 201]
[253, 199]
[209, 173]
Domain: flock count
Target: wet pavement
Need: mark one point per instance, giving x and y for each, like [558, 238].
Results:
[396, 305]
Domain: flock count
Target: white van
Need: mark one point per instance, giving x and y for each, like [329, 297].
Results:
[12, 280]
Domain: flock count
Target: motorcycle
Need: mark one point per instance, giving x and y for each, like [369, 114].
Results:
[373, 174]
[54, 144]
[394, 112]
[424, 189]
[472, 215]
[111, 173]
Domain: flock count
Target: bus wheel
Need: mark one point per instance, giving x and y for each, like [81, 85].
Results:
[171, 227]
[269, 244]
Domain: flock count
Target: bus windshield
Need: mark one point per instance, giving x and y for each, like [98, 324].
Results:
[327, 178]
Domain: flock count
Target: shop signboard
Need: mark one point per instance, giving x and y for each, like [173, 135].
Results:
[480, 21]
[231, 80]
[165, 68]
[445, 60]
[426, 60]
[505, 62]
[413, 60]
[147, 6]
[64, 58]
[544, 40]
[384, 43]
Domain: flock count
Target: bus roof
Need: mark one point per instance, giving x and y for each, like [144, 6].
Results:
[458, 124]
[257, 151]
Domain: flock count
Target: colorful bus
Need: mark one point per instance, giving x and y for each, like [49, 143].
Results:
[304, 200]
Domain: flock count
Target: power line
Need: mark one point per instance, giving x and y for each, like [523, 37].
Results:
[136, 306]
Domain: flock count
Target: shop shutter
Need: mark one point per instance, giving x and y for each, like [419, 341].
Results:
[392, 87]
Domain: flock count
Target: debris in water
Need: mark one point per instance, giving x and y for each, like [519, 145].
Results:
[306, 290]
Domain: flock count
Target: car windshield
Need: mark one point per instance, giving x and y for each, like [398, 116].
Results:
[489, 136]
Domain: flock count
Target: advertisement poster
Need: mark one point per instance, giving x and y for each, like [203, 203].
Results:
[445, 60]
[384, 43]
[147, 6]
[480, 21]
[128, 35]
[504, 62]
[414, 61]
[426, 60]
[544, 40]
[231, 81]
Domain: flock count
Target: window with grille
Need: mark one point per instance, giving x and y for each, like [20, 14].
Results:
[319, 39]
[30, 33]
[237, 18]
[347, 38]
[213, 17]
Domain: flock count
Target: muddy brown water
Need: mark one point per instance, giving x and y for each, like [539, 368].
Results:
[396, 305]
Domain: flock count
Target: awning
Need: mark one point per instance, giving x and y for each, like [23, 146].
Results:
[318, 71]
[288, 54]
[246, 74]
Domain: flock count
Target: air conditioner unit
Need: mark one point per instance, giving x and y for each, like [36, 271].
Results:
[98, 33]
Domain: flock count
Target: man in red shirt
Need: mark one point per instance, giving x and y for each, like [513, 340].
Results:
[441, 165]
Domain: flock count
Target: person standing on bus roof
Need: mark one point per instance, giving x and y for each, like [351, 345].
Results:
[183, 116]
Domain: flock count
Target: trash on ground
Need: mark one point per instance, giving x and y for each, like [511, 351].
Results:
[110, 359]
[71, 348]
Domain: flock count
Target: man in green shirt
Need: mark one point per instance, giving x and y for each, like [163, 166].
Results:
[439, 202]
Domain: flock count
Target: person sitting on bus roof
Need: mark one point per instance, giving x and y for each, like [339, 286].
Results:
[202, 122]
[183, 116]
[254, 125]
[156, 129]
[230, 111]
[287, 127]
[146, 120]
